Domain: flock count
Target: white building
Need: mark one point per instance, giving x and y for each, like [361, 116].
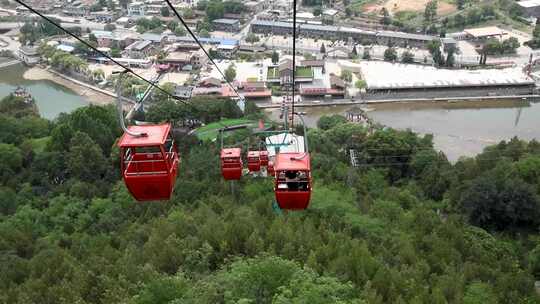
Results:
[29, 55]
[136, 9]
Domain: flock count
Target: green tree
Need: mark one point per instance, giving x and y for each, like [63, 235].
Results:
[230, 73]
[510, 45]
[252, 38]
[360, 84]
[323, 48]
[11, 160]
[188, 13]
[478, 293]
[346, 75]
[275, 57]
[390, 54]
[354, 53]
[85, 159]
[366, 55]
[215, 10]
[430, 12]
[407, 57]
[386, 19]
[329, 122]
[165, 11]
[204, 33]
[317, 11]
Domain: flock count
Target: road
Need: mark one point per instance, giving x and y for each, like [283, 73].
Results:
[65, 22]
[9, 44]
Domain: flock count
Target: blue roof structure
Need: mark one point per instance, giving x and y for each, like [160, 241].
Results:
[219, 41]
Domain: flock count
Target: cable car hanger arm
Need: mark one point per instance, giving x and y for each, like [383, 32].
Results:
[119, 106]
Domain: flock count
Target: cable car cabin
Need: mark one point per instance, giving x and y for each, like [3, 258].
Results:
[293, 180]
[149, 163]
[270, 168]
[263, 156]
[254, 161]
[231, 163]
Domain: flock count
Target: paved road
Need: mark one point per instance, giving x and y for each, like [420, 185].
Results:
[9, 44]
[9, 63]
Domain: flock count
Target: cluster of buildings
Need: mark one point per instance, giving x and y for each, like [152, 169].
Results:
[263, 80]
[331, 32]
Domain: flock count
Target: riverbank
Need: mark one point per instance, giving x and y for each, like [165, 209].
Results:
[92, 95]
[438, 101]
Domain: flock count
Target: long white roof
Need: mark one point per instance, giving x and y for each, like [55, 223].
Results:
[385, 75]
[529, 3]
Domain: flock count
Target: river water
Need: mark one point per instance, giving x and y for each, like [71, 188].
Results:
[459, 129]
[51, 98]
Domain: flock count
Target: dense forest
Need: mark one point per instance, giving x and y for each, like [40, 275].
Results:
[405, 226]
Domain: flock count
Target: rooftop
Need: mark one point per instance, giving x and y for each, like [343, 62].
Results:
[178, 56]
[156, 135]
[139, 45]
[289, 161]
[226, 21]
[385, 75]
[65, 48]
[485, 31]
[529, 3]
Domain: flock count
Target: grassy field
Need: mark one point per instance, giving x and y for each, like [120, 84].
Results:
[304, 72]
[300, 72]
[272, 73]
[210, 131]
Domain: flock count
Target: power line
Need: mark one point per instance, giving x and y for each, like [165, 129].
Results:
[293, 61]
[201, 46]
[98, 51]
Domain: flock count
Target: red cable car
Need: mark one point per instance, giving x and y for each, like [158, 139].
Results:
[292, 183]
[254, 161]
[149, 161]
[270, 168]
[231, 163]
[263, 155]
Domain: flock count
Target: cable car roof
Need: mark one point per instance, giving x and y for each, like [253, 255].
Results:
[292, 161]
[156, 135]
[231, 152]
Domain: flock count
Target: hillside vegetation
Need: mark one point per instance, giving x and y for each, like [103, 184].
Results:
[406, 226]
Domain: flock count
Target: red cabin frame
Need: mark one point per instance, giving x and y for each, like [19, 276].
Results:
[270, 168]
[231, 163]
[263, 156]
[254, 161]
[292, 194]
[149, 163]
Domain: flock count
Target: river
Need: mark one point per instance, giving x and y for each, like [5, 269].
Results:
[459, 129]
[51, 98]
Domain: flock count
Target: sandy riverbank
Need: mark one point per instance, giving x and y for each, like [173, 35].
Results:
[37, 73]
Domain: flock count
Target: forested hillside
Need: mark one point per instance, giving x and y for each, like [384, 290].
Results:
[406, 226]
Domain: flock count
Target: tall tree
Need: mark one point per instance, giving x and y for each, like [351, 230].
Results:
[275, 57]
[430, 12]
[230, 73]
